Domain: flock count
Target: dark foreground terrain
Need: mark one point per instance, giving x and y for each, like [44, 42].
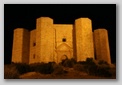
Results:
[72, 74]
[67, 69]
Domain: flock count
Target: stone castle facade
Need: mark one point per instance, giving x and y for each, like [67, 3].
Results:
[51, 42]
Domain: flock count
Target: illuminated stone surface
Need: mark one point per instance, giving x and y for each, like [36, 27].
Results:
[45, 37]
[63, 43]
[51, 42]
[102, 45]
[32, 58]
[84, 39]
[20, 52]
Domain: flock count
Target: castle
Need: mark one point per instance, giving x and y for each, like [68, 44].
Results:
[51, 42]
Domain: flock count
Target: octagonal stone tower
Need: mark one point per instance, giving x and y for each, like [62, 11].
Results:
[20, 51]
[45, 38]
[84, 39]
[102, 45]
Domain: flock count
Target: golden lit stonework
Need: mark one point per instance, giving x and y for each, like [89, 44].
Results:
[51, 42]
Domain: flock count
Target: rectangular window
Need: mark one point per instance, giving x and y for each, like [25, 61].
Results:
[64, 40]
[33, 56]
[34, 44]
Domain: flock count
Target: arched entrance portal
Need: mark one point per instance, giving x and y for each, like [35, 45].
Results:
[63, 52]
[64, 57]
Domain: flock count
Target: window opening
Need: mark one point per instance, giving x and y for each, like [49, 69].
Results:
[34, 44]
[64, 40]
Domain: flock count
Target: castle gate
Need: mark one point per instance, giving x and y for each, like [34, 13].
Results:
[63, 52]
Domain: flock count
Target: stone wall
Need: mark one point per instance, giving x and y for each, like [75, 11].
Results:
[84, 39]
[101, 42]
[64, 42]
[45, 35]
[53, 42]
[20, 51]
[63, 31]
[33, 58]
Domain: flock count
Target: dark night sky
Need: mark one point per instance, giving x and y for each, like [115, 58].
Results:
[18, 15]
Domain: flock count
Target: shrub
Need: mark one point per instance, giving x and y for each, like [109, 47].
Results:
[44, 68]
[22, 68]
[102, 62]
[79, 67]
[35, 67]
[103, 71]
[90, 61]
[58, 70]
[73, 61]
[90, 66]
[82, 62]
[113, 72]
[91, 69]
[68, 62]
[10, 72]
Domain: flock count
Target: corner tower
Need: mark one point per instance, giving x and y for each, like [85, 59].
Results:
[102, 45]
[45, 38]
[84, 39]
[20, 51]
